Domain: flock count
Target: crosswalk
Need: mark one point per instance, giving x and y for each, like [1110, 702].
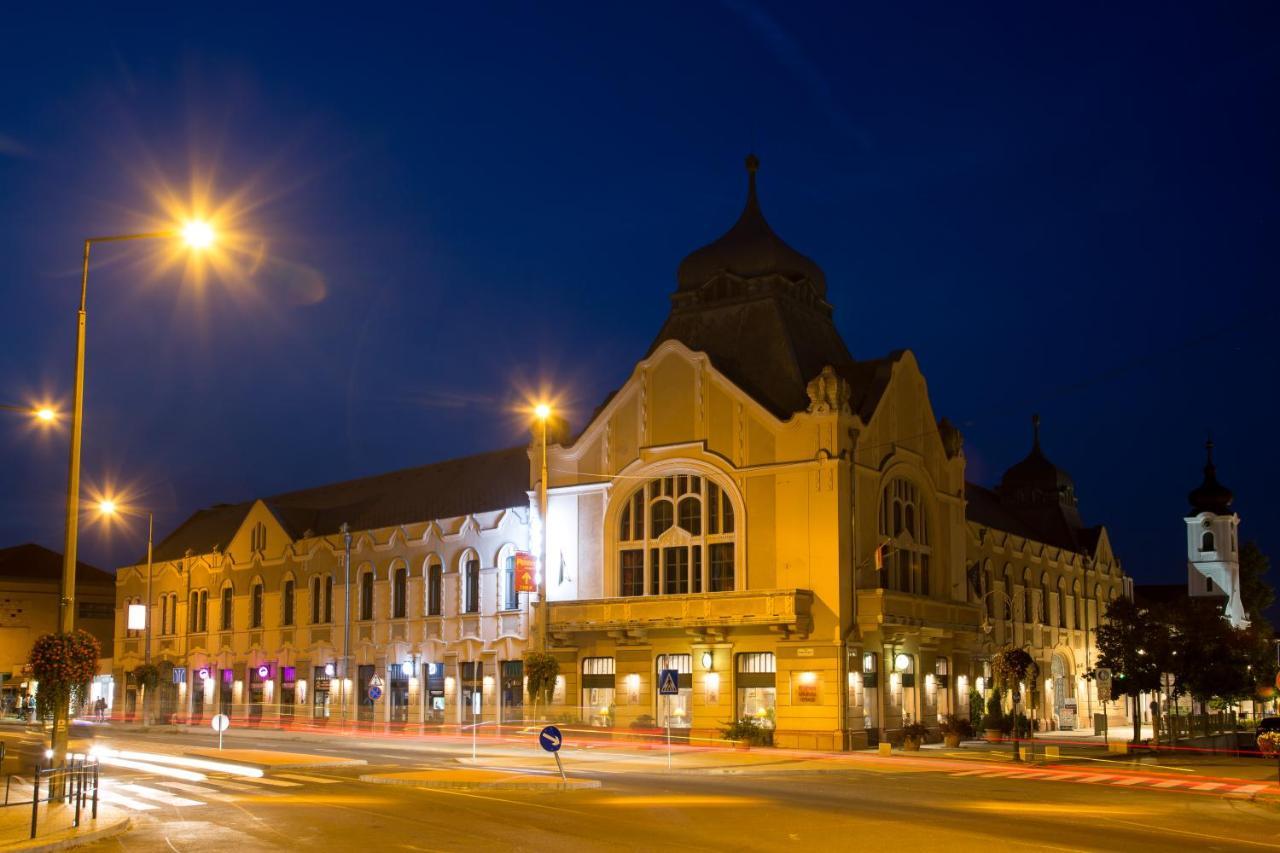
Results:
[1122, 780]
[147, 793]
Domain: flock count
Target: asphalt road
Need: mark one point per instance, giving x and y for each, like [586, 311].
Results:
[867, 802]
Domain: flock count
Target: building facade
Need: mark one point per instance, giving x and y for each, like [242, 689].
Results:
[787, 528]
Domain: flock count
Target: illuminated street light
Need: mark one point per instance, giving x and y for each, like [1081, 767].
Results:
[107, 507]
[197, 238]
[542, 412]
[44, 414]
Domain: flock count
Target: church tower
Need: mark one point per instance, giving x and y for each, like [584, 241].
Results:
[1213, 552]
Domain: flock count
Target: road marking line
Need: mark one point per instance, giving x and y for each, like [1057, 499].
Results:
[1002, 774]
[1060, 777]
[109, 796]
[160, 796]
[230, 786]
[317, 780]
[275, 783]
[972, 772]
[189, 789]
[1207, 786]
[1094, 778]
[1134, 780]
[1248, 789]
[1172, 783]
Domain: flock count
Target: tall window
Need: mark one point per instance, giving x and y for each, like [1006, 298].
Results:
[676, 536]
[988, 590]
[1206, 541]
[471, 585]
[435, 588]
[400, 593]
[366, 596]
[316, 601]
[1008, 593]
[228, 602]
[255, 608]
[193, 613]
[510, 600]
[328, 598]
[164, 614]
[904, 521]
[286, 603]
[258, 538]
[1028, 598]
[1062, 602]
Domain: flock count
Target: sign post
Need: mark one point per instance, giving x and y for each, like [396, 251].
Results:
[220, 723]
[551, 740]
[1103, 674]
[668, 686]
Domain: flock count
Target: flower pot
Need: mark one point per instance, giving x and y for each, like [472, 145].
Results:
[994, 736]
[951, 740]
[911, 744]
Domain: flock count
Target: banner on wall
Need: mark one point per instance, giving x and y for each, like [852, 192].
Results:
[525, 572]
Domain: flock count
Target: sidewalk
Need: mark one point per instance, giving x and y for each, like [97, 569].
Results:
[54, 829]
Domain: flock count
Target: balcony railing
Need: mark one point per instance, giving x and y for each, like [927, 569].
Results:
[786, 608]
[877, 607]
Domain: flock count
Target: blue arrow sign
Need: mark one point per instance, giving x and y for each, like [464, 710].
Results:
[668, 682]
[550, 739]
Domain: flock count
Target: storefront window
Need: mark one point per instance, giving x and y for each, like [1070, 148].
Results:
[398, 690]
[433, 677]
[757, 688]
[320, 694]
[472, 695]
[512, 690]
[598, 691]
[676, 711]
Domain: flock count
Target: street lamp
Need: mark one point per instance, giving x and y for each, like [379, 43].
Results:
[542, 412]
[197, 235]
[109, 508]
[43, 414]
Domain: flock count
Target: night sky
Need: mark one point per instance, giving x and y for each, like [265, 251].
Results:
[1064, 209]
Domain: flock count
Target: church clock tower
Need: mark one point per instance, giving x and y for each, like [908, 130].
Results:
[1213, 553]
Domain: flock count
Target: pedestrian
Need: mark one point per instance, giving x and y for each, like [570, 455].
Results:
[101, 707]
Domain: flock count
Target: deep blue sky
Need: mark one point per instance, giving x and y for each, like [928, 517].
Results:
[1064, 209]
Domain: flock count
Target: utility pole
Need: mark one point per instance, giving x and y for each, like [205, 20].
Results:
[346, 619]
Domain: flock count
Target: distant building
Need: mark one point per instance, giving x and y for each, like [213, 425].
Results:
[30, 589]
[786, 527]
[1213, 545]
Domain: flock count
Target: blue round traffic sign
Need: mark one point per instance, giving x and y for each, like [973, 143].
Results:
[550, 739]
[375, 693]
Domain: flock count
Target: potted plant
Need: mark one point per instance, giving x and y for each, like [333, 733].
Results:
[913, 734]
[955, 729]
[746, 733]
[993, 721]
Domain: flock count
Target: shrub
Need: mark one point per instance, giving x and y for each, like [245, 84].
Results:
[541, 669]
[975, 709]
[915, 731]
[994, 718]
[644, 721]
[749, 731]
[1269, 743]
[954, 725]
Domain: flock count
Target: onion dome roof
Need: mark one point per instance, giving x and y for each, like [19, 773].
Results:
[1210, 495]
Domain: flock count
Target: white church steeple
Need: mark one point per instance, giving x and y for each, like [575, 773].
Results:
[1213, 552]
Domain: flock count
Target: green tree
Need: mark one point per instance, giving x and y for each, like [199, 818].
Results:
[1208, 658]
[1135, 645]
[1256, 593]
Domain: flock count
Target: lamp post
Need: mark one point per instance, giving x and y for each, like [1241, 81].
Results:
[987, 627]
[198, 235]
[346, 619]
[543, 413]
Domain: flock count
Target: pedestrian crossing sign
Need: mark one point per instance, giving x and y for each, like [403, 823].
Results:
[668, 682]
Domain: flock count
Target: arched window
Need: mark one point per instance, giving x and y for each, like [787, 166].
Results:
[1062, 602]
[904, 521]
[366, 595]
[400, 593]
[676, 536]
[1007, 598]
[435, 586]
[507, 561]
[286, 603]
[471, 582]
[1101, 605]
[228, 604]
[328, 598]
[164, 614]
[1028, 598]
[1044, 599]
[255, 606]
[317, 600]
[1206, 541]
[1208, 584]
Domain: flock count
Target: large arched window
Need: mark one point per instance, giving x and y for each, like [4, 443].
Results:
[507, 579]
[317, 610]
[904, 521]
[988, 591]
[1062, 602]
[676, 536]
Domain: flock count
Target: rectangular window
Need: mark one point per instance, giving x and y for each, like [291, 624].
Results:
[697, 568]
[512, 689]
[328, 598]
[472, 695]
[315, 601]
[675, 570]
[286, 608]
[255, 611]
[722, 567]
[399, 594]
[320, 693]
[655, 572]
[366, 596]
[598, 691]
[434, 589]
[510, 599]
[204, 610]
[473, 586]
[227, 604]
[632, 580]
[757, 687]
[678, 710]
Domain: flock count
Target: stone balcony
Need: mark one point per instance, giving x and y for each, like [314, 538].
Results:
[787, 611]
[887, 611]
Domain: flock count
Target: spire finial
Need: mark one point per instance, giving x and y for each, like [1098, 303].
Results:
[753, 163]
[1208, 450]
[753, 166]
[1035, 431]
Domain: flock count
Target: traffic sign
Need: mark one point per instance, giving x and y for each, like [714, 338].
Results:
[375, 693]
[220, 723]
[1017, 696]
[668, 682]
[550, 739]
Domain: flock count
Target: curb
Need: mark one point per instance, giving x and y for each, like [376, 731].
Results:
[35, 845]
[497, 785]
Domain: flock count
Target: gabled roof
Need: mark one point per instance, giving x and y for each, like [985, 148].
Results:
[1040, 524]
[35, 562]
[481, 483]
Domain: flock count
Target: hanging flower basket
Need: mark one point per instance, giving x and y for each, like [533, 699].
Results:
[64, 665]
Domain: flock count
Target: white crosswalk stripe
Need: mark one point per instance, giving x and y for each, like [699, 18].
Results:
[274, 783]
[1132, 780]
[228, 785]
[109, 796]
[1248, 789]
[315, 780]
[159, 796]
[187, 788]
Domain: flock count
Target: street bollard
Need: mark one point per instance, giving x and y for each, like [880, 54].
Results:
[35, 801]
[885, 748]
[95, 790]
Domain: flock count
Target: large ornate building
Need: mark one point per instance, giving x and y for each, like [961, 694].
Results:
[787, 527]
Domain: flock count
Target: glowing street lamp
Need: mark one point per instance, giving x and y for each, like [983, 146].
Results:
[44, 414]
[542, 412]
[197, 235]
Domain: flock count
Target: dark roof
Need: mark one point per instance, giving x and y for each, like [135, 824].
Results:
[35, 562]
[480, 483]
[1210, 495]
[1041, 524]
[749, 249]
[757, 308]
